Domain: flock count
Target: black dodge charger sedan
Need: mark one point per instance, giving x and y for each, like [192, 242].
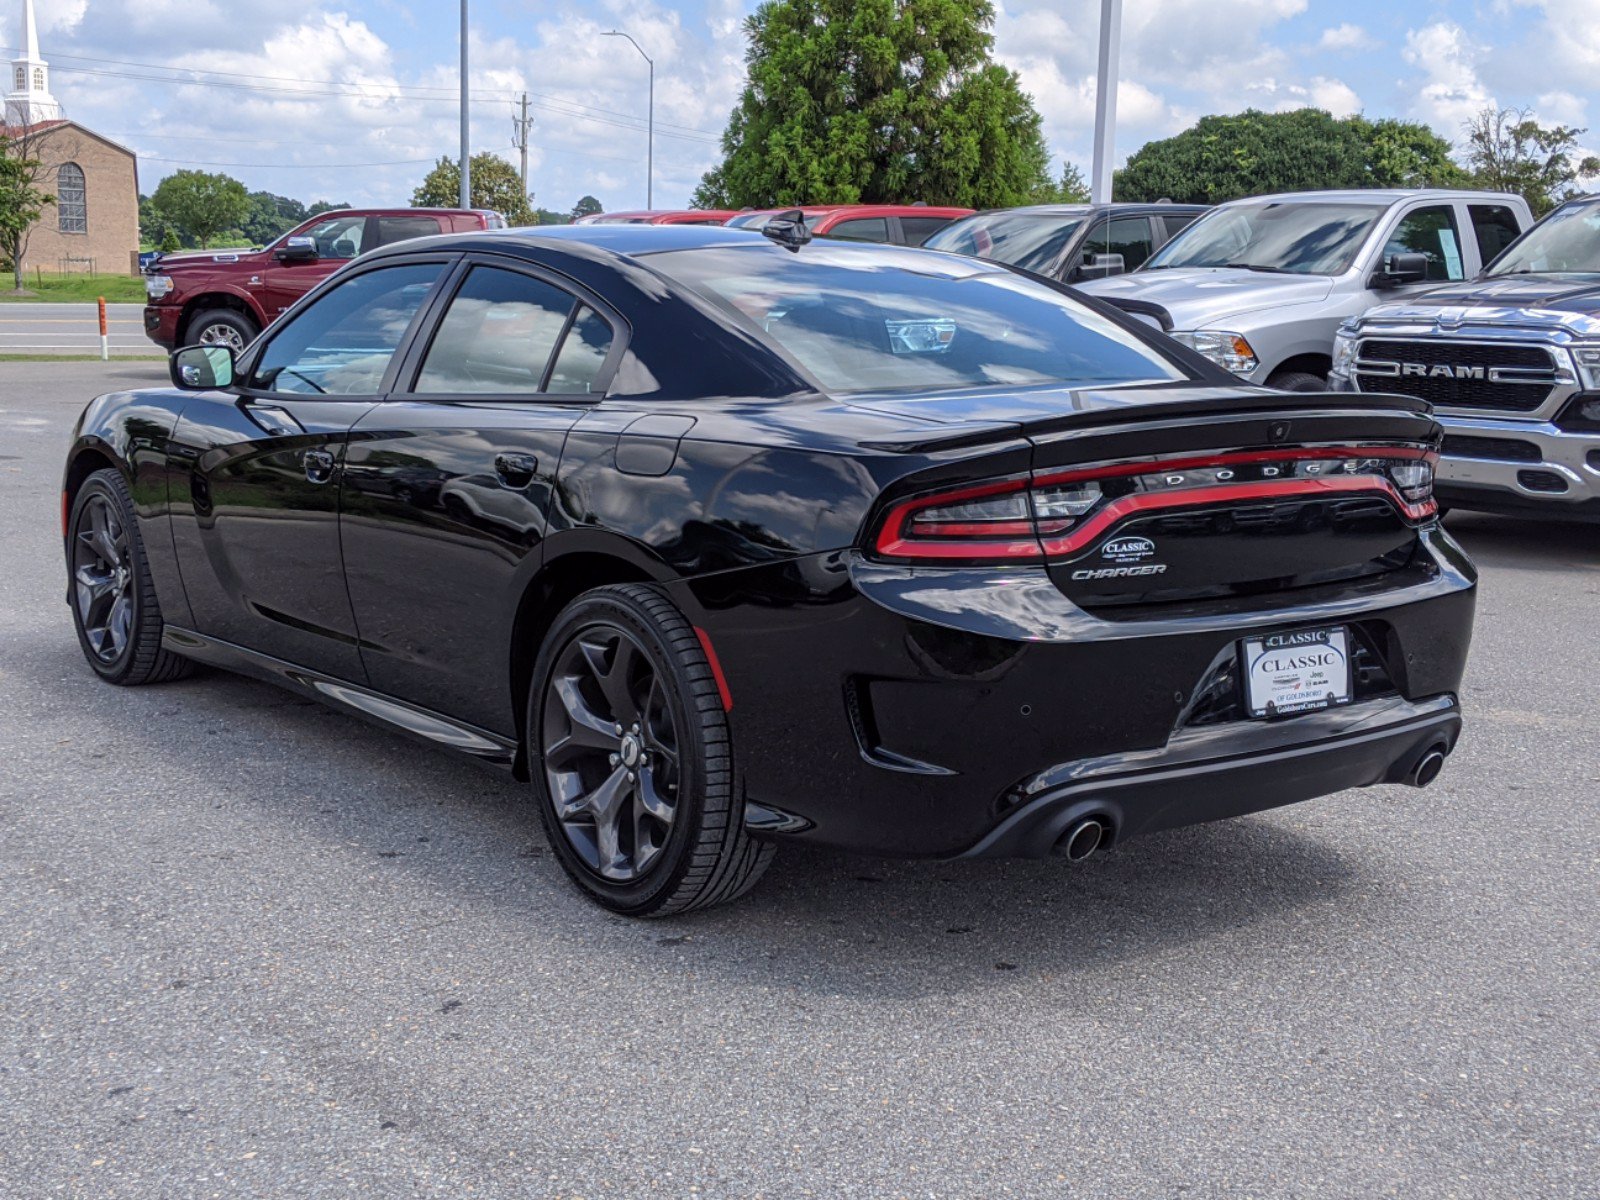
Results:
[722, 538]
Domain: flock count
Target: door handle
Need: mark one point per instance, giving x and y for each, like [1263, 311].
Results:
[515, 470]
[318, 464]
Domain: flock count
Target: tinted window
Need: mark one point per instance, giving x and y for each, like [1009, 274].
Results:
[1431, 231]
[583, 353]
[1566, 242]
[1177, 221]
[1033, 241]
[1495, 227]
[1299, 237]
[496, 336]
[338, 237]
[400, 229]
[1127, 236]
[884, 318]
[861, 229]
[919, 229]
[342, 343]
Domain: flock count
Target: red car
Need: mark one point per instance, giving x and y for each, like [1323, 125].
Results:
[899, 224]
[661, 216]
[228, 297]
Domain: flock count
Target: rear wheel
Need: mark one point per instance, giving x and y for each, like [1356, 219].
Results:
[631, 759]
[114, 606]
[222, 327]
[1298, 381]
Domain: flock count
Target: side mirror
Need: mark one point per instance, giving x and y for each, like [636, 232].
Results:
[201, 368]
[1402, 268]
[1101, 266]
[298, 249]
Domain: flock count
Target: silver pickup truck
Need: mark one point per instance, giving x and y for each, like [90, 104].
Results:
[1260, 286]
[1511, 363]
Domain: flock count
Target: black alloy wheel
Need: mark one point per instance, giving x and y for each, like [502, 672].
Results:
[631, 758]
[114, 606]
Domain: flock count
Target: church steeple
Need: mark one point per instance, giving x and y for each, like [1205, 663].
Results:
[29, 101]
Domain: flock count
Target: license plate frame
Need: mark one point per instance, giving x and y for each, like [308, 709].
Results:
[1290, 672]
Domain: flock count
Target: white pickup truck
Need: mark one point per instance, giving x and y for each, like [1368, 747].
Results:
[1260, 286]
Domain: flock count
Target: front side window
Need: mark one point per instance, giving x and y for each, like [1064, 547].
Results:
[72, 199]
[1567, 242]
[341, 344]
[885, 318]
[861, 229]
[496, 337]
[403, 229]
[1319, 237]
[1430, 231]
[338, 237]
[1031, 240]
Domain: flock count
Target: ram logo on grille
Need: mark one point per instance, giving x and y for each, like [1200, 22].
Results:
[1443, 371]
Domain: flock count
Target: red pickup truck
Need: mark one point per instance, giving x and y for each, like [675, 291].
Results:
[231, 296]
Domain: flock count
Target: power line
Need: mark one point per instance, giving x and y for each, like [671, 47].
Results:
[196, 162]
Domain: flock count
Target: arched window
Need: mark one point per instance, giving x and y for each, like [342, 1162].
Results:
[72, 200]
[38, 79]
[19, 78]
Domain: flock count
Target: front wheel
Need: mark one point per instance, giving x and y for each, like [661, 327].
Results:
[114, 606]
[1298, 381]
[631, 758]
[223, 327]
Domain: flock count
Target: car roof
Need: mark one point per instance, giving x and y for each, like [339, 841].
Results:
[1078, 210]
[872, 210]
[621, 238]
[1382, 195]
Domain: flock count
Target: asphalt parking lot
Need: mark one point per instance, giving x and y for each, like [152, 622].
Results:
[250, 947]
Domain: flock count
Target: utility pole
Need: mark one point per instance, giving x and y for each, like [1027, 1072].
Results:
[466, 153]
[650, 144]
[520, 127]
[1105, 107]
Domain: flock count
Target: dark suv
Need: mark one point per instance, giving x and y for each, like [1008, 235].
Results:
[228, 297]
[1070, 242]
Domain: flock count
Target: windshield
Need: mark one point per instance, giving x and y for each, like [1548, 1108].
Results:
[1567, 242]
[1032, 241]
[1291, 236]
[869, 318]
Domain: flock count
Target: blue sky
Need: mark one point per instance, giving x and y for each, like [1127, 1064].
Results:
[116, 65]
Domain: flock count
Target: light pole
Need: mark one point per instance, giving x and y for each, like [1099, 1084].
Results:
[1105, 109]
[650, 145]
[466, 153]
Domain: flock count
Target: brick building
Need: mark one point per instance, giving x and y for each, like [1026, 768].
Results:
[94, 223]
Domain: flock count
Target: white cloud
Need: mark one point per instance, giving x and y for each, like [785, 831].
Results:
[1448, 61]
[1341, 39]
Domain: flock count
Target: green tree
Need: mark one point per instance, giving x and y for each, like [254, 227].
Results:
[22, 201]
[1071, 188]
[322, 206]
[849, 101]
[495, 184]
[587, 206]
[200, 204]
[547, 216]
[1253, 153]
[270, 216]
[1508, 151]
[169, 242]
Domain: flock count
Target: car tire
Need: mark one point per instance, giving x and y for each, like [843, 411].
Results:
[1298, 381]
[221, 327]
[647, 822]
[113, 598]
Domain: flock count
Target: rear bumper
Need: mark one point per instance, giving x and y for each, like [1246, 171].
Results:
[161, 324]
[1554, 472]
[947, 712]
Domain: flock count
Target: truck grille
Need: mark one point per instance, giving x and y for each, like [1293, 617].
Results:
[1458, 374]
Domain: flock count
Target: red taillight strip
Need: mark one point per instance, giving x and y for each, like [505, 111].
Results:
[1155, 467]
[1223, 492]
[891, 539]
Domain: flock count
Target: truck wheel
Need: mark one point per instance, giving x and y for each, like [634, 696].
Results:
[1298, 381]
[222, 327]
[628, 747]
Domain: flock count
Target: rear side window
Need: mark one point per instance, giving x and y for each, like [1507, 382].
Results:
[583, 352]
[919, 229]
[890, 318]
[1495, 227]
[341, 344]
[1177, 221]
[401, 229]
[496, 337]
[1431, 231]
[862, 229]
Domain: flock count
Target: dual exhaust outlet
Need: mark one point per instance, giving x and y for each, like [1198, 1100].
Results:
[1088, 835]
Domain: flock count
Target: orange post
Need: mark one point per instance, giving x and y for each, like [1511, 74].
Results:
[105, 341]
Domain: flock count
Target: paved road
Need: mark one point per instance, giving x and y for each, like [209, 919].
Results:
[72, 329]
[252, 948]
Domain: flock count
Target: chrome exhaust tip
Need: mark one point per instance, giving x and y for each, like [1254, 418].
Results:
[1082, 840]
[1427, 768]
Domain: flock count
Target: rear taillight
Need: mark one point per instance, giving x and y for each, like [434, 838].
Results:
[1051, 514]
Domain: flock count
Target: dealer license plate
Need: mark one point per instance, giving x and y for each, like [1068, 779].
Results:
[1296, 672]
